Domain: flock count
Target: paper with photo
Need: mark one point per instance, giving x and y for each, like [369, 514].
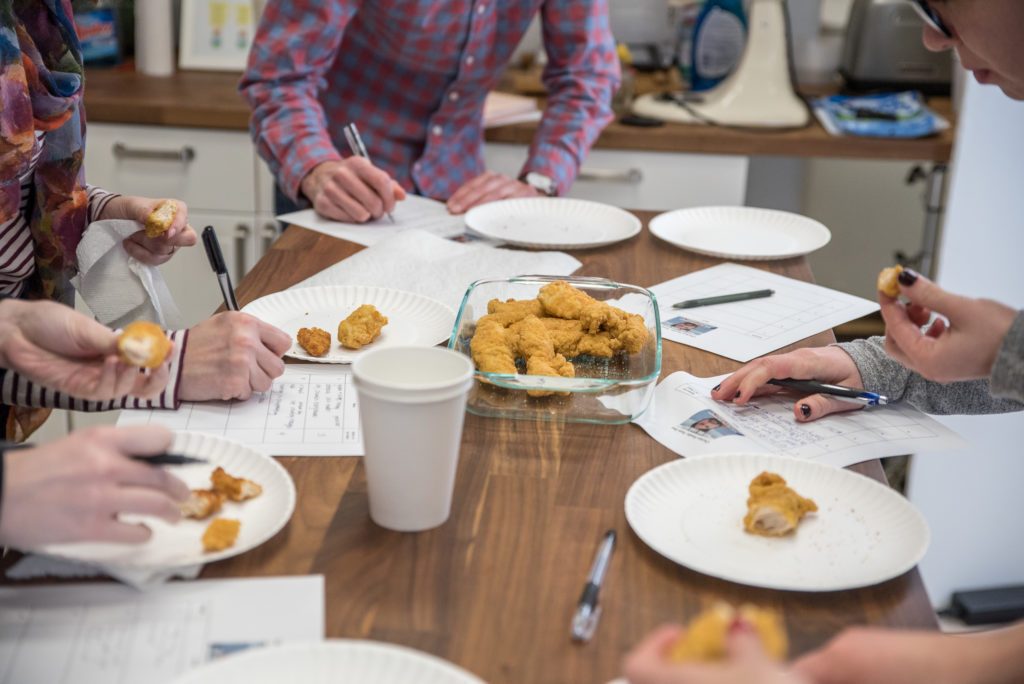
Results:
[417, 261]
[747, 329]
[311, 410]
[414, 212]
[101, 633]
[685, 418]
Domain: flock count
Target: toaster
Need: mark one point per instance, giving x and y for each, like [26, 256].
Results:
[883, 50]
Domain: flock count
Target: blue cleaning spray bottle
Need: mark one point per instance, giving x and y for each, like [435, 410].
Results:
[718, 40]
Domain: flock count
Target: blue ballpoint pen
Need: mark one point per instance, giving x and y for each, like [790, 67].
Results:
[584, 622]
[839, 391]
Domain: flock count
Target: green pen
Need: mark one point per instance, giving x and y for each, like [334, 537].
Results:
[723, 299]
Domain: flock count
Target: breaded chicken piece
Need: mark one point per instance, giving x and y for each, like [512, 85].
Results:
[160, 219]
[565, 301]
[490, 348]
[234, 488]
[514, 310]
[221, 534]
[361, 327]
[143, 344]
[315, 341]
[628, 329]
[706, 637]
[570, 340]
[888, 281]
[773, 509]
[201, 504]
[529, 339]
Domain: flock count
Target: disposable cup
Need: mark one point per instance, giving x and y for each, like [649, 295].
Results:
[412, 401]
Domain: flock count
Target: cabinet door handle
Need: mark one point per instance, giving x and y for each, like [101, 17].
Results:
[184, 155]
[632, 176]
[242, 234]
[269, 235]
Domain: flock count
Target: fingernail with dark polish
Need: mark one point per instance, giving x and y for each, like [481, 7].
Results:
[907, 277]
[715, 388]
[806, 410]
[738, 393]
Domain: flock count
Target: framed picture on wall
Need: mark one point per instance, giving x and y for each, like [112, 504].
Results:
[216, 34]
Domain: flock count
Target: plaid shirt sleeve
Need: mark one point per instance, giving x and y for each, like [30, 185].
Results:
[294, 46]
[581, 76]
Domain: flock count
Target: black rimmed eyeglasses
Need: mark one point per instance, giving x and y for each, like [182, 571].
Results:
[931, 17]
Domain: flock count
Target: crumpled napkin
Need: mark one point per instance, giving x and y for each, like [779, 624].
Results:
[35, 565]
[116, 287]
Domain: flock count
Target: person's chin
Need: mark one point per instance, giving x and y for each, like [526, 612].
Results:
[1012, 89]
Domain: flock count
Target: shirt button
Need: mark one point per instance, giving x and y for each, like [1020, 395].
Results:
[437, 130]
[480, 9]
[470, 60]
[453, 96]
[417, 167]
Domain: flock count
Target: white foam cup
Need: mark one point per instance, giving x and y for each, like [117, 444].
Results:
[412, 401]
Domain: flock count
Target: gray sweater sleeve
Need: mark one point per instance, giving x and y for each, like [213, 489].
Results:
[1001, 393]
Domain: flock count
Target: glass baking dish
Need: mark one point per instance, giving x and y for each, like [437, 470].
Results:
[605, 390]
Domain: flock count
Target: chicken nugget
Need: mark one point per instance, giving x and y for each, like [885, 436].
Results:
[888, 281]
[143, 344]
[160, 219]
[361, 327]
[562, 300]
[514, 310]
[221, 534]
[706, 637]
[201, 504]
[315, 341]
[773, 509]
[490, 348]
[234, 488]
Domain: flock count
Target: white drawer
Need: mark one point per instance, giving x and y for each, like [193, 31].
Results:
[654, 181]
[209, 170]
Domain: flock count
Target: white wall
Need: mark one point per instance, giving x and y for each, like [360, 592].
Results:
[972, 498]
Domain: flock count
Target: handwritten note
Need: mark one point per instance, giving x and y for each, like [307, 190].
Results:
[311, 410]
[685, 418]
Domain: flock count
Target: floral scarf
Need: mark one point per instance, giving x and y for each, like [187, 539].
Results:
[41, 82]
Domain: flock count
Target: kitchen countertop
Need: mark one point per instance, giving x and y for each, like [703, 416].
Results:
[211, 100]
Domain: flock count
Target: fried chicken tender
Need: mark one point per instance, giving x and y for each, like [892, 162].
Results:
[888, 283]
[201, 504]
[706, 637]
[570, 340]
[234, 488]
[361, 327]
[514, 310]
[529, 339]
[489, 347]
[315, 341]
[160, 219]
[562, 300]
[773, 509]
[221, 534]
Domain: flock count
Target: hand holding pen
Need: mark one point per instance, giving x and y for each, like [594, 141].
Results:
[827, 366]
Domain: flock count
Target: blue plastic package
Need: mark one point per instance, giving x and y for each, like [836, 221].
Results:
[885, 115]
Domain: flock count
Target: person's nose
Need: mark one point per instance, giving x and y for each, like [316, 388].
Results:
[935, 41]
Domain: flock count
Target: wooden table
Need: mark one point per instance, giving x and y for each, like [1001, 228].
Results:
[494, 588]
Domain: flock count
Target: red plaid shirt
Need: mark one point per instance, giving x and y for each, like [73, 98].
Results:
[413, 74]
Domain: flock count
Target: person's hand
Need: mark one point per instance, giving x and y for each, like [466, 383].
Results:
[824, 364]
[488, 187]
[747, 662]
[351, 190]
[74, 488]
[965, 348]
[230, 356]
[61, 349]
[884, 656]
[151, 251]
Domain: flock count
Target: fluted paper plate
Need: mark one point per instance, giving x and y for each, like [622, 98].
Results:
[741, 232]
[413, 320]
[173, 546]
[691, 511]
[330, 662]
[553, 223]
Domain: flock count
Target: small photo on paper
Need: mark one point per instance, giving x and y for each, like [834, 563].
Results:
[689, 327]
[708, 424]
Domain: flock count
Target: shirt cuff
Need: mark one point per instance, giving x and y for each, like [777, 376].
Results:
[98, 201]
[300, 162]
[1007, 379]
[553, 161]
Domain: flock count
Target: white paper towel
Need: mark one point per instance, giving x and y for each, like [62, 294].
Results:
[417, 261]
[117, 288]
[154, 44]
[32, 566]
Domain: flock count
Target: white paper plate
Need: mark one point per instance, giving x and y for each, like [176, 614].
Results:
[553, 223]
[173, 546]
[330, 662]
[691, 511]
[413, 320]
[741, 232]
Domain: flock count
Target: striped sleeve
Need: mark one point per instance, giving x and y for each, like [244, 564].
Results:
[98, 201]
[16, 390]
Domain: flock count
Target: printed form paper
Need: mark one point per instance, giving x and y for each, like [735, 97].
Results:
[748, 329]
[311, 410]
[418, 212]
[685, 418]
[104, 633]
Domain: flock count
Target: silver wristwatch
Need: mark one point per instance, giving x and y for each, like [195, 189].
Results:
[540, 183]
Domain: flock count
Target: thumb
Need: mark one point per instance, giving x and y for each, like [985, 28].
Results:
[820, 405]
[89, 338]
[399, 191]
[923, 292]
[745, 645]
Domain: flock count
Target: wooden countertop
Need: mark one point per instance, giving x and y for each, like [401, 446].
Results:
[211, 100]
